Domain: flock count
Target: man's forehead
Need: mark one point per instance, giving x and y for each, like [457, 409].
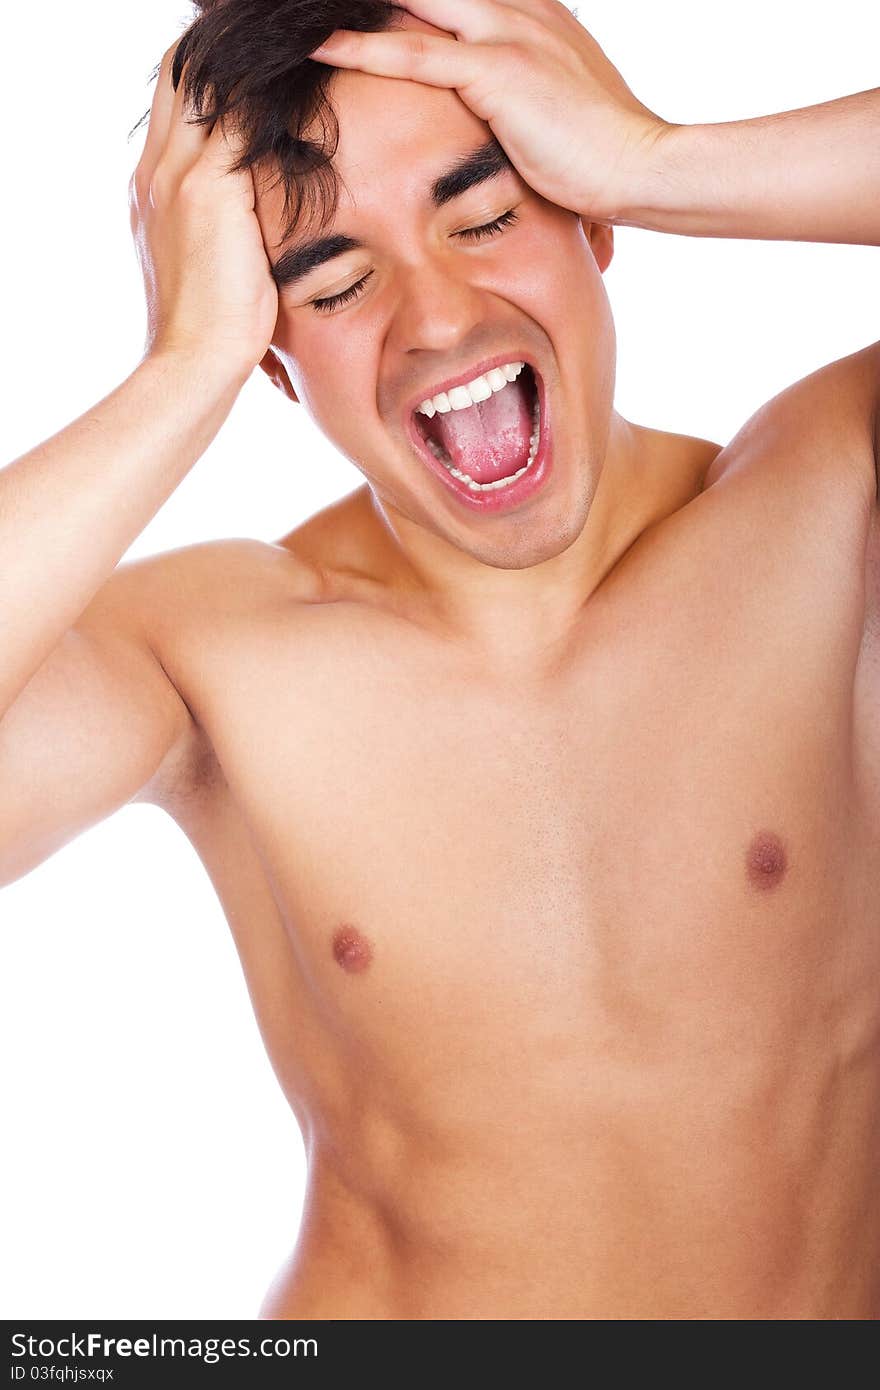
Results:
[387, 124]
[377, 114]
[394, 138]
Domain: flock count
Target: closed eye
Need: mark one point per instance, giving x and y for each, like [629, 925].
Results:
[332, 302]
[506, 219]
[336, 301]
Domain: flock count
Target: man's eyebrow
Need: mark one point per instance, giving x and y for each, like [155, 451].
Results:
[472, 169]
[479, 166]
[301, 260]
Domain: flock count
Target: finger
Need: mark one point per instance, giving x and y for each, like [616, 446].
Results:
[222, 150]
[160, 118]
[474, 20]
[477, 21]
[186, 138]
[420, 57]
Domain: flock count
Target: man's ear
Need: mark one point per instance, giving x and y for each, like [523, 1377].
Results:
[277, 374]
[601, 239]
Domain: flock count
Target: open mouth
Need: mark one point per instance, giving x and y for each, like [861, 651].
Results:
[487, 433]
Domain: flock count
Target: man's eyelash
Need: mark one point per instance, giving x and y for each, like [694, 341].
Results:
[506, 219]
[336, 301]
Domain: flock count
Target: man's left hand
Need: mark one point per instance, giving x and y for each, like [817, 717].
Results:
[560, 109]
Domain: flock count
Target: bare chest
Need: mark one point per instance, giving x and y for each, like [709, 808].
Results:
[669, 820]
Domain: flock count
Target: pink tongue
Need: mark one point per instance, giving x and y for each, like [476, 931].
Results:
[491, 439]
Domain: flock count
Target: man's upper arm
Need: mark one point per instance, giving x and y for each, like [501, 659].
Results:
[877, 426]
[868, 368]
[91, 727]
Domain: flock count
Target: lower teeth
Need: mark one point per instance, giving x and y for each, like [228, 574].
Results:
[440, 453]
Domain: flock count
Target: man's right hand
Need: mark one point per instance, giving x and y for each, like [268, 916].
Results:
[81, 685]
[208, 282]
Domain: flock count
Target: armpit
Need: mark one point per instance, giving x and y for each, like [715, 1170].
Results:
[189, 772]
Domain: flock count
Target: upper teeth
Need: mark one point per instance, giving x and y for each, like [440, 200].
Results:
[480, 389]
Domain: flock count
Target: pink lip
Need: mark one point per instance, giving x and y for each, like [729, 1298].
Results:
[498, 499]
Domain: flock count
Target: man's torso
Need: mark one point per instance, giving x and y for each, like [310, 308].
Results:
[566, 957]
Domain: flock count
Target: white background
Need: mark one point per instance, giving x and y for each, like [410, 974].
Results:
[150, 1166]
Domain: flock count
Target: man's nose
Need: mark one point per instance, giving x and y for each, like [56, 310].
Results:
[437, 307]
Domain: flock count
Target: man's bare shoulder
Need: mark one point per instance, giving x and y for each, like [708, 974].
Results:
[820, 427]
[193, 604]
[178, 598]
[230, 575]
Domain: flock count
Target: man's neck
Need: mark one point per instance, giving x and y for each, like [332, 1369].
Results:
[521, 612]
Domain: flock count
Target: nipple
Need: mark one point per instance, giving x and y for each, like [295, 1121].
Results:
[351, 950]
[766, 860]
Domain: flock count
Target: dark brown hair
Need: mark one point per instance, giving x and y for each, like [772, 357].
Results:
[248, 59]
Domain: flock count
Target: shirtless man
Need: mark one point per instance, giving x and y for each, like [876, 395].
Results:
[546, 816]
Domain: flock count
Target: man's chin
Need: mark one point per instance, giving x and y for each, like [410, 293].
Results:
[525, 551]
[519, 541]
